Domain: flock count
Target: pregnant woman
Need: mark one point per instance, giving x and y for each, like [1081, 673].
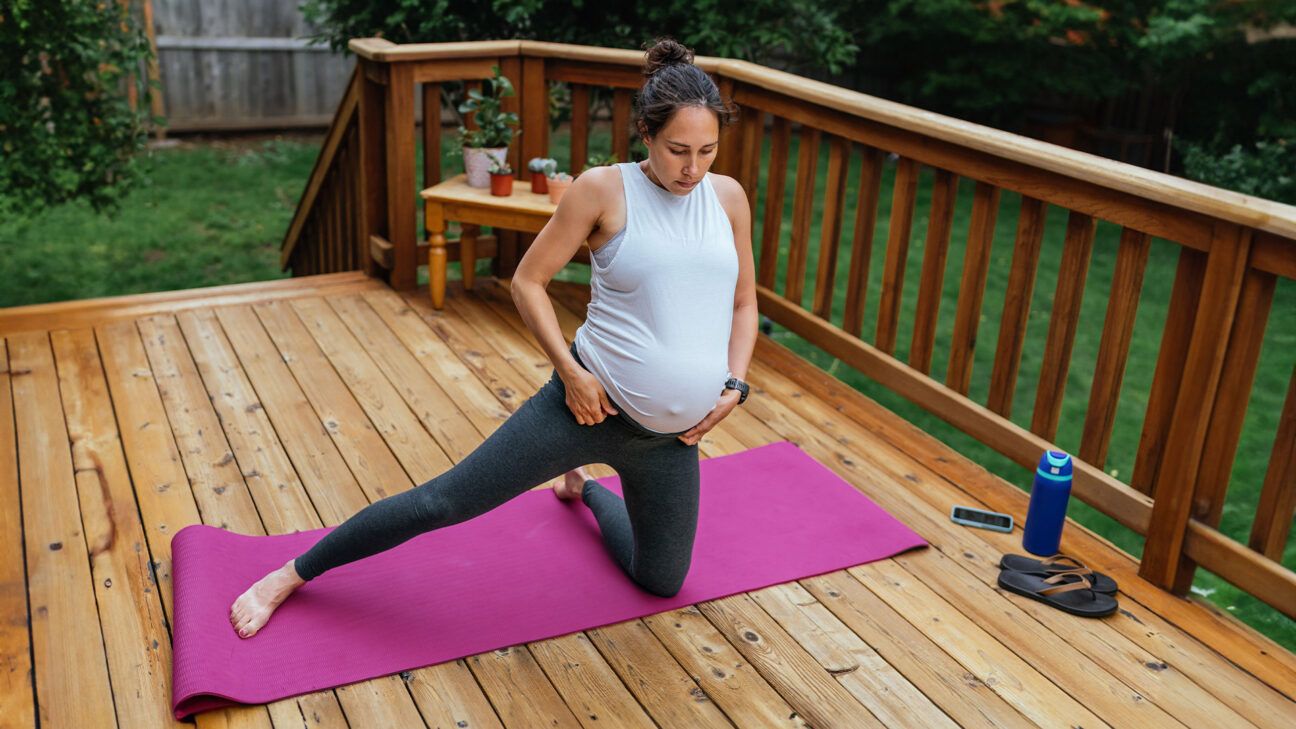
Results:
[658, 362]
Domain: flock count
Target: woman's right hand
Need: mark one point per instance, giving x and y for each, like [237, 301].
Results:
[586, 398]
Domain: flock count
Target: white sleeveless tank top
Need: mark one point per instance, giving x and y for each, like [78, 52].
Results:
[656, 333]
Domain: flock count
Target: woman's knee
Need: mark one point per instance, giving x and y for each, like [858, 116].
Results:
[664, 583]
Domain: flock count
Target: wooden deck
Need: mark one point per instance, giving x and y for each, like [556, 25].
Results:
[280, 407]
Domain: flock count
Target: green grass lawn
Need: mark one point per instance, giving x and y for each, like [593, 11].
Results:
[211, 214]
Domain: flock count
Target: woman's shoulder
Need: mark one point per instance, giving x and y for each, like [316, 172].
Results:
[731, 195]
[603, 182]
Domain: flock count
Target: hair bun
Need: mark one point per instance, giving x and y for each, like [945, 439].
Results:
[666, 52]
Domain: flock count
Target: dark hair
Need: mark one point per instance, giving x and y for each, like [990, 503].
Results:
[672, 81]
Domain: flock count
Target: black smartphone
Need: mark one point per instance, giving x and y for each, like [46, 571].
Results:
[970, 516]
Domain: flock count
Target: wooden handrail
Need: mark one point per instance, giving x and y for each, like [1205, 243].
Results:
[1155, 186]
[1233, 247]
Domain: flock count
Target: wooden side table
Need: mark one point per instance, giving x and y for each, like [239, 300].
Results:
[474, 207]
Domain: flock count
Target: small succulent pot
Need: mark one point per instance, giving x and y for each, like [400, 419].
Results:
[477, 162]
[539, 183]
[557, 186]
[541, 168]
[501, 185]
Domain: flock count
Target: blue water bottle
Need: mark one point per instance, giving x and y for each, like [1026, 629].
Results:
[1048, 504]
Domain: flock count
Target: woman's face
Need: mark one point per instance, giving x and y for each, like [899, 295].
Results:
[683, 150]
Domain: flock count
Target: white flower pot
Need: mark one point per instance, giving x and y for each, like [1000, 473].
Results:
[477, 161]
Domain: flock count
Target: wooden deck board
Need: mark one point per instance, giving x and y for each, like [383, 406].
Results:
[293, 406]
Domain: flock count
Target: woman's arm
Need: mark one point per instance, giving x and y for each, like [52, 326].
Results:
[742, 335]
[746, 320]
[577, 216]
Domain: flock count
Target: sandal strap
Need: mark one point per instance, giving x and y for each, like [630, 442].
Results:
[1063, 560]
[1077, 571]
[1060, 584]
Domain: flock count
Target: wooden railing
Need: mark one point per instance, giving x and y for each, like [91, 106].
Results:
[330, 215]
[1232, 251]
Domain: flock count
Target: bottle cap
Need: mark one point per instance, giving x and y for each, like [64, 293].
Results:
[1055, 466]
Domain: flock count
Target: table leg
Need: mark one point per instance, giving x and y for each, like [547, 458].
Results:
[468, 253]
[434, 222]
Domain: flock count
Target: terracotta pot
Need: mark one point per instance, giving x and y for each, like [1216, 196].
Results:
[501, 185]
[539, 183]
[477, 162]
[557, 188]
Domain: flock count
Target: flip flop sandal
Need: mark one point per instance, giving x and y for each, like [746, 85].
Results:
[1057, 564]
[1067, 591]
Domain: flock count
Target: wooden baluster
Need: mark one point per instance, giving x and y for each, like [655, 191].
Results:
[1163, 561]
[1109, 370]
[340, 206]
[1277, 503]
[331, 226]
[339, 218]
[373, 163]
[329, 205]
[431, 134]
[1233, 395]
[318, 217]
[312, 247]
[508, 243]
[399, 119]
[1169, 369]
[939, 225]
[580, 101]
[897, 254]
[775, 183]
[976, 265]
[1017, 300]
[727, 160]
[1076, 252]
[866, 204]
[360, 237]
[830, 228]
[752, 130]
[802, 208]
[345, 181]
[621, 100]
[534, 116]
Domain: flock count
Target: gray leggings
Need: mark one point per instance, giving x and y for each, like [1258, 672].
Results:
[649, 533]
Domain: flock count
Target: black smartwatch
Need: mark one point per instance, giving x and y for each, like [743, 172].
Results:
[733, 383]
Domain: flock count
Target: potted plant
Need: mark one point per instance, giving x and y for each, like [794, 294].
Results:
[558, 183]
[599, 160]
[494, 132]
[501, 178]
[541, 168]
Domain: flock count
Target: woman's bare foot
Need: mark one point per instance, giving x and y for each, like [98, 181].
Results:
[572, 485]
[254, 607]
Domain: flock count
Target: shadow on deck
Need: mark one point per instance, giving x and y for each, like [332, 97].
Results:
[272, 408]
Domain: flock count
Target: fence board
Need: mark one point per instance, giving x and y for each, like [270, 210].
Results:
[243, 64]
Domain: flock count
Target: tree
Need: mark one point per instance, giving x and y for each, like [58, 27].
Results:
[799, 34]
[67, 130]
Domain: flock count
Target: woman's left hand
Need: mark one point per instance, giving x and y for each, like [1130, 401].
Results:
[725, 405]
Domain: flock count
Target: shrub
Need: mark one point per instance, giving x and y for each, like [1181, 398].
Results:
[1267, 169]
[66, 126]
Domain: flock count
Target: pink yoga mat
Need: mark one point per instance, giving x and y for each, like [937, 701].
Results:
[531, 569]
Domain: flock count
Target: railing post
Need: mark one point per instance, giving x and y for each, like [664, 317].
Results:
[399, 124]
[1163, 560]
[532, 107]
[373, 159]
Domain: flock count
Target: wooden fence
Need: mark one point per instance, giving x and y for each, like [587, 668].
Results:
[359, 210]
[243, 64]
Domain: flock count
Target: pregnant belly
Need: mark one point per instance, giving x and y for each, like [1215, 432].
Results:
[673, 391]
